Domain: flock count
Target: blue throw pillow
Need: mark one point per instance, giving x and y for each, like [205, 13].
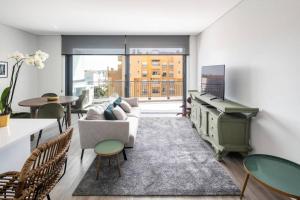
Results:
[108, 113]
[117, 102]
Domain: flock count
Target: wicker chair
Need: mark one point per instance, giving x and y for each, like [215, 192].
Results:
[40, 173]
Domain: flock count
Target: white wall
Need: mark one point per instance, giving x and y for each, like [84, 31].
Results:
[12, 40]
[259, 41]
[51, 78]
[192, 64]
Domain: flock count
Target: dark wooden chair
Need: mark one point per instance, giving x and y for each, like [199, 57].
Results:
[50, 94]
[81, 104]
[186, 108]
[40, 173]
[48, 111]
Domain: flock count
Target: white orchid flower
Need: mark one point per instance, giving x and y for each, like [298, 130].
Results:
[17, 55]
[40, 66]
[44, 56]
[36, 59]
[29, 60]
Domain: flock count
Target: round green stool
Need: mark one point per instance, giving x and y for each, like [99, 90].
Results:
[108, 148]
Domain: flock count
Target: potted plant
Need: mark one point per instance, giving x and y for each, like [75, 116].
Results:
[37, 60]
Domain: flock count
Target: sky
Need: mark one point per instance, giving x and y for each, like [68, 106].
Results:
[93, 62]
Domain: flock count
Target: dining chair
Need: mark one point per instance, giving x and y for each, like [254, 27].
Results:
[20, 115]
[50, 94]
[40, 172]
[51, 110]
[81, 104]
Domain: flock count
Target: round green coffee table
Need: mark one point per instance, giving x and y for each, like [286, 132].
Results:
[275, 173]
[108, 148]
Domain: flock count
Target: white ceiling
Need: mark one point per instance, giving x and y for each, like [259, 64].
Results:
[113, 16]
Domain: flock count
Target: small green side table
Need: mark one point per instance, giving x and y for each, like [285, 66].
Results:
[109, 148]
[277, 174]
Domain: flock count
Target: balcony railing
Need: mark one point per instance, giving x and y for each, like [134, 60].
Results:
[151, 89]
[141, 89]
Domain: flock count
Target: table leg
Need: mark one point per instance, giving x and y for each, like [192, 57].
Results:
[69, 114]
[124, 154]
[33, 112]
[119, 169]
[98, 166]
[245, 184]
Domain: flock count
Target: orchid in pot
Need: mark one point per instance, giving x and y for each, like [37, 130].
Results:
[37, 60]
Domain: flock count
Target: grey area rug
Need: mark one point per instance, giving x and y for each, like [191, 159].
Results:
[169, 158]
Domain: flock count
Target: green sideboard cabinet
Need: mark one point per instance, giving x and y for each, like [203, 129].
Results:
[224, 124]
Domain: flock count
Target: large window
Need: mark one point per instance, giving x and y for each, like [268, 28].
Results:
[160, 76]
[101, 75]
[97, 63]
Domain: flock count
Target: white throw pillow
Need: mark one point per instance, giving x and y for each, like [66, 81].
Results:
[119, 113]
[95, 113]
[125, 106]
[134, 102]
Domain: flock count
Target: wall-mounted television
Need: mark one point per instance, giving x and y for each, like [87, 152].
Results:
[213, 80]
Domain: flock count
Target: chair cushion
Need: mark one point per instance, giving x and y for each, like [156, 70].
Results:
[117, 102]
[95, 113]
[119, 113]
[125, 106]
[108, 113]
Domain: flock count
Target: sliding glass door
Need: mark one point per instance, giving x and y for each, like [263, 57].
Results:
[156, 77]
[101, 75]
[148, 67]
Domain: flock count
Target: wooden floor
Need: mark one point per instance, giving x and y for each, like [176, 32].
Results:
[76, 170]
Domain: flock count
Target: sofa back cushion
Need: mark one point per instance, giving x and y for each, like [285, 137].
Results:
[108, 113]
[133, 101]
[125, 106]
[119, 113]
[95, 113]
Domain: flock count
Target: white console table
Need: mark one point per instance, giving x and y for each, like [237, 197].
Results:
[15, 141]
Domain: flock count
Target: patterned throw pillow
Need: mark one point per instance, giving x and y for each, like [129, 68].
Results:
[125, 106]
[119, 113]
[117, 101]
[95, 113]
[108, 113]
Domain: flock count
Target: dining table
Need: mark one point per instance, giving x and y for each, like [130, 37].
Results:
[35, 103]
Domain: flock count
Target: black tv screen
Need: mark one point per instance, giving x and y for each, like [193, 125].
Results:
[213, 80]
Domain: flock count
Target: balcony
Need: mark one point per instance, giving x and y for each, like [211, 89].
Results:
[144, 90]
[156, 90]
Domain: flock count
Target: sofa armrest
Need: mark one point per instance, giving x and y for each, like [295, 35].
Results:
[93, 131]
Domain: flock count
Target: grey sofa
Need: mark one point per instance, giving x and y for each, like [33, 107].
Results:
[93, 131]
